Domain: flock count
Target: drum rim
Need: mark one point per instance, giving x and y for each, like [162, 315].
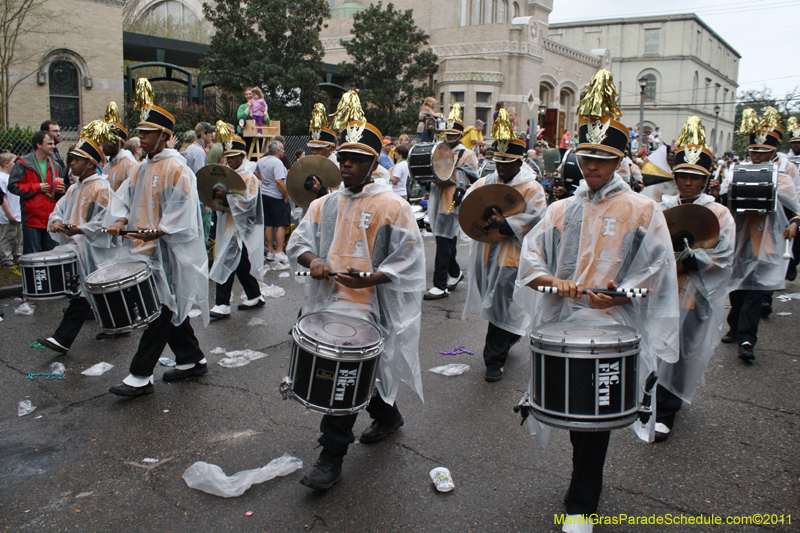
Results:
[94, 297]
[602, 355]
[59, 259]
[613, 340]
[120, 284]
[334, 353]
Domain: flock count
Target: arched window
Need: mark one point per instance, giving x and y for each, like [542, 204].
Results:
[489, 11]
[695, 85]
[566, 100]
[515, 10]
[544, 94]
[177, 11]
[650, 90]
[502, 9]
[476, 12]
[65, 94]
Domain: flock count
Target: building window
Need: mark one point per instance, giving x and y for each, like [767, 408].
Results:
[516, 9]
[544, 94]
[699, 44]
[457, 97]
[650, 89]
[476, 12]
[483, 98]
[695, 85]
[464, 10]
[651, 38]
[176, 11]
[482, 113]
[489, 11]
[502, 8]
[65, 95]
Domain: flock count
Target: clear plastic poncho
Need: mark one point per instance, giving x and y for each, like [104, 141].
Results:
[594, 237]
[493, 266]
[702, 304]
[787, 167]
[84, 205]
[243, 225]
[163, 195]
[373, 231]
[443, 215]
[120, 168]
[759, 264]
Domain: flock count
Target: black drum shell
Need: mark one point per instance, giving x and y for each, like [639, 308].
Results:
[55, 272]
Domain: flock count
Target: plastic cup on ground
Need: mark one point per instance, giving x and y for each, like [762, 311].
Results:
[442, 479]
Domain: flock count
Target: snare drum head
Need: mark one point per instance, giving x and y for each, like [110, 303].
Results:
[339, 330]
[442, 161]
[53, 256]
[115, 273]
[577, 334]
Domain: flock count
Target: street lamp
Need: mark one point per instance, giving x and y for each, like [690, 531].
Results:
[717, 109]
[643, 86]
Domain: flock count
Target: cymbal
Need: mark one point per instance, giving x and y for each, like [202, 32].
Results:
[695, 223]
[210, 176]
[476, 206]
[311, 165]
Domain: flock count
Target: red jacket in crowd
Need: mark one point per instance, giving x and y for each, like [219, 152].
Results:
[25, 182]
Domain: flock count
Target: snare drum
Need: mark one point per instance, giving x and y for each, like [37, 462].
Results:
[754, 188]
[584, 377]
[431, 162]
[124, 296]
[49, 275]
[334, 363]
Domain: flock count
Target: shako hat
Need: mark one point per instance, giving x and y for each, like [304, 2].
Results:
[600, 134]
[454, 124]
[112, 117]
[506, 145]
[355, 133]
[320, 129]
[151, 117]
[692, 155]
[765, 135]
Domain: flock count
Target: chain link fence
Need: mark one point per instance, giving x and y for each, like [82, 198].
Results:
[17, 140]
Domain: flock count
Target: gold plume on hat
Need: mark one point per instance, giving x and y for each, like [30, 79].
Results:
[223, 132]
[99, 131]
[143, 95]
[112, 113]
[319, 119]
[600, 100]
[455, 113]
[692, 132]
[792, 124]
[349, 108]
[771, 119]
[502, 130]
[750, 123]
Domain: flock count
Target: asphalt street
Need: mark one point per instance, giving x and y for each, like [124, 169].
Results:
[77, 463]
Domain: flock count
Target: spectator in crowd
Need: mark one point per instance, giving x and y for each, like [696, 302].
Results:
[472, 135]
[427, 120]
[54, 130]
[531, 161]
[277, 211]
[257, 108]
[10, 226]
[197, 152]
[565, 144]
[512, 114]
[400, 172]
[384, 160]
[299, 154]
[243, 113]
[215, 152]
[39, 181]
[284, 158]
[189, 138]
[635, 145]
[134, 146]
[497, 107]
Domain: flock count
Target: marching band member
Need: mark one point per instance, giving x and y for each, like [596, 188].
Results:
[363, 227]
[703, 283]
[793, 127]
[493, 266]
[239, 247]
[323, 140]
[163, 196]
[121, 163]
[759, 267]
[444, 201]
[603, 236]
[75, 223]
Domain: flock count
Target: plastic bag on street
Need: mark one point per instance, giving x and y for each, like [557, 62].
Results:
[239, 358]
[58, 368]
[24, 309]
[257, 322]
[25, 408]
[212, 479]
[453, 369]
[218, 350]
[97, 370]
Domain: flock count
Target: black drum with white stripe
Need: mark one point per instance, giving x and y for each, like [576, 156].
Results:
[754, 188]
[123, 296]
[49, 275]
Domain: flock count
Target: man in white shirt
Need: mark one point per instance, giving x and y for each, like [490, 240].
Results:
[400, 172]
[10, 225]
[277, 211]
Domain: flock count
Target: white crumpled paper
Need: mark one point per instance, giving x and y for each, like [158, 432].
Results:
[24, 309]
[25, 408]
[212, 479]
[218, 350]
[240, 358]
[787, 297]
[453, 369]
[267, 291]
[57, 368]
[97, 370]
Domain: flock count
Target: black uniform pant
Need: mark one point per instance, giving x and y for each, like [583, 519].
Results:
[445, 263]
[337, 431]
[249, 283]
[75, 315]
[667, 406]
[498, 344]
[745, 314]
[588, 458]
[158, 334]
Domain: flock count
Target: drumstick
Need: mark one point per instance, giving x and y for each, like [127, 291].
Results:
[628, 293]
[354, 274]
[787, 254]
[129, 231]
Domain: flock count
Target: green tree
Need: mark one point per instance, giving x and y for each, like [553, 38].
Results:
[389, 68]
[272, 44]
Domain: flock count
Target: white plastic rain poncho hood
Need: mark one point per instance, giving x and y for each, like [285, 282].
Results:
[373, 231]
[493, 266]
[594, 237]
[443, 215]
[163, 195]
[242, 226]
[702, 304]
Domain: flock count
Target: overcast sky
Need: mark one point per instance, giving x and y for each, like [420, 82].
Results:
[766, 33]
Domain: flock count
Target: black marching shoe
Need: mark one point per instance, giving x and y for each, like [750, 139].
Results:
[746, 353]
[175, 374]
[493, 374]
[435, 294]
[250, 304]
[791, 272]
[379, 431]
[452, 283]
[662, 432]
[53, 344]
[729, 338]
[326, 472]
[766, 309]
[121, 389]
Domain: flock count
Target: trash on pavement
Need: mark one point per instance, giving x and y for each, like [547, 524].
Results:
[442, 479]
[218, 350]
[453, 369]
[212, 479]
[24, 309]
[166, 361]
[257, 322]
[58, 368]
[97, 370]
[240, 358]
[25, 408]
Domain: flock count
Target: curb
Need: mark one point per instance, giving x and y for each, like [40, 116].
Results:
[10, 292]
